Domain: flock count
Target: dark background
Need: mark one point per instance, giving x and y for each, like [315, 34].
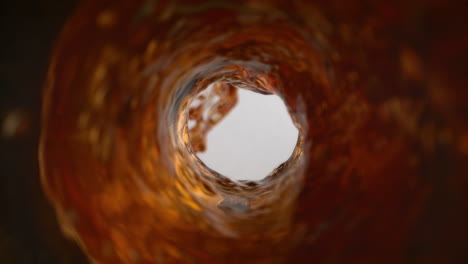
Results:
[29, 232]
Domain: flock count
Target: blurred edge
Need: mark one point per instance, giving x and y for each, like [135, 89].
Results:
[29, 232]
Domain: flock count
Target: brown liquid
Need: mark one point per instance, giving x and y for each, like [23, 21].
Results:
[378, 173]
[212, 108]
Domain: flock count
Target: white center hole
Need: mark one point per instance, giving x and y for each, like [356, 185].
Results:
[253, 139]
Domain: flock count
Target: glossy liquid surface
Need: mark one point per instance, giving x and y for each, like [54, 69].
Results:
[383, 132]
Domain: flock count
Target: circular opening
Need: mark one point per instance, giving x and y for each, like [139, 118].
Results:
[240, 134]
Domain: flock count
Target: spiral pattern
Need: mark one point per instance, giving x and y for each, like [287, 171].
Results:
[373, 115]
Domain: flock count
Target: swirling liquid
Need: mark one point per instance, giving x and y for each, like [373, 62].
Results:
[120, 167]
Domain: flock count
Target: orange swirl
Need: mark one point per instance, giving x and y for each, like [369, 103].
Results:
[125, 182]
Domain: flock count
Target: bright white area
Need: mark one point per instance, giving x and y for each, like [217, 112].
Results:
[253, 139]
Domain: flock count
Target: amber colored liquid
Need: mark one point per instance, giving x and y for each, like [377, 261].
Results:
[377, 175]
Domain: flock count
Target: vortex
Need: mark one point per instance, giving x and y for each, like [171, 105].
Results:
[119, 168]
